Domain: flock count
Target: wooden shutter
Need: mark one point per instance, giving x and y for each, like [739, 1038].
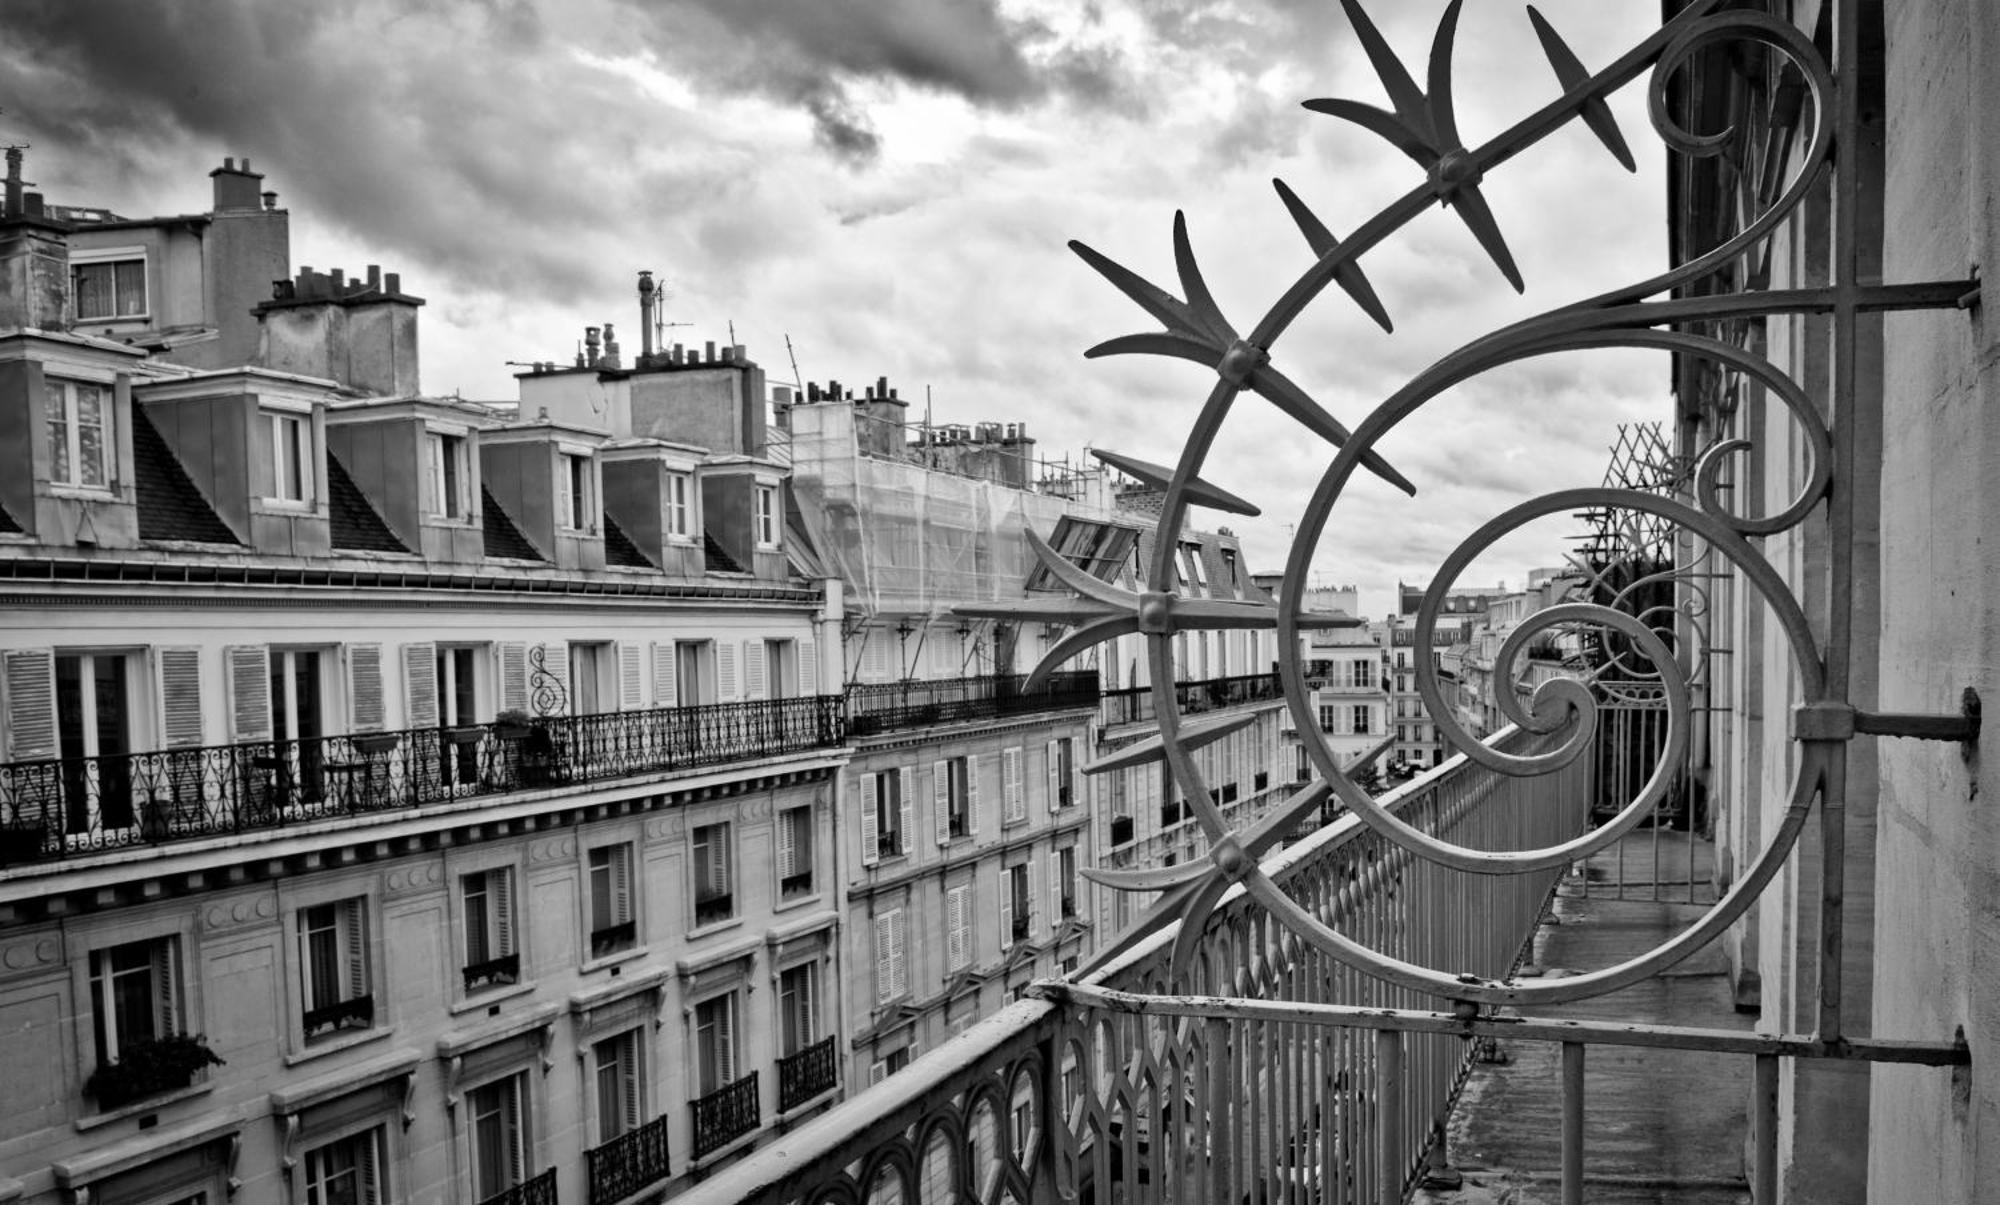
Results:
[555, 663]
[865, 789]
[725, 671]
[621, 884]
[884, 965]
[1010, 783]
[500, 893]
[420, 696]
[1028, 901]
[899, 952]
[164, 988]
[808, 668]
[31, 704]
[788, 846]
[941, 799]
[1055, 889]
[367, 709]
[178, 672]
[249, 691]
[631, 678]
[906, 794]
[877, 1072]
[753, 669]
[1055, 776]
[628, 1079]
[955, 923]
[513, 675]
[972, 795]
[1006, 908]
[663, 674]
[354, 931]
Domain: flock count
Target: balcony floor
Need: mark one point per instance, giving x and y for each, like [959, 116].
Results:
[1661, 1127]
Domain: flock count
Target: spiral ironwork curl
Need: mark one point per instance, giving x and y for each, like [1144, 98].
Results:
[1421, 124]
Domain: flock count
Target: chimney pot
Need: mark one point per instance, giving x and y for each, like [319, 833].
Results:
[338, 278]
[393, 282]
[881, 386]
[246, 164]
[229, 163]
[374, 277]
[711, 352]
[270, 200]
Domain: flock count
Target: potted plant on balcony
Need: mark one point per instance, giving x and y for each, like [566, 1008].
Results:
[21, 836]
[148, 1067]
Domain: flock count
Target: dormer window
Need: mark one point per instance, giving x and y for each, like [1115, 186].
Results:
[79, 425]
[291, 456]
[680, 513]
[108, 285]
[767, 516]
[451, 476]
[573, 484]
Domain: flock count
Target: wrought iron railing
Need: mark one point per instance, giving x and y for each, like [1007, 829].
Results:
[630, 1162]
[541, 1190]
[613, 938]
[1135, 706]
[357, 1013]
[62, 807]
[1146, 1108]
[492, 972]
[888, 706]
[725, 1115]
[808, 1073]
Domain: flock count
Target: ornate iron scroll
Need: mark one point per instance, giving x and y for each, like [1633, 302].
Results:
[1670, 312]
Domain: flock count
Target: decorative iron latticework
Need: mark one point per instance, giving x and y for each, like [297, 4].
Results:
[1648, 517]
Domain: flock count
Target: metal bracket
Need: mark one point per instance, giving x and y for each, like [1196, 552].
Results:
[1963, 727]
[1823, 722]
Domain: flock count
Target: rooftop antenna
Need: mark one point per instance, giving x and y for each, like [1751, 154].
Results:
[660, 323]
[796, 382]
[732, 332]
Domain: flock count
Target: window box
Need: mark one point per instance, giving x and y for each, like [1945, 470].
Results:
[357, 1013]
[493, 972]
[793, 886]
[149, 1067]
[374, 744]
[714, 909]
[613, 938]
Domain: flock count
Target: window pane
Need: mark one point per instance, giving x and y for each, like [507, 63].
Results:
[93, 284]
[131, 285]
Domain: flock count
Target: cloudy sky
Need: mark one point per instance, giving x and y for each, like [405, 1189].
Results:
[891, 183]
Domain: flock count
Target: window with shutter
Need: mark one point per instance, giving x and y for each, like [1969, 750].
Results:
[631, 683]
[725, 671]
[346, 1171]
[499, 1157]
[906, 799]
[1007, 910]
[663, 674]
[753, 669]
[958, 924]
[513, 675]
[971, 794]
[178, 672]
[899, 953]
[249, 691]
[420, 701]
[31, 704]
[941, 799]
[367, 710]
[808, 668]
[1010, 785]
[868, 802]
[884, 968]
[1054, 775]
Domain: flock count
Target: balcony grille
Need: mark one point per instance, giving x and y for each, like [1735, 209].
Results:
[493, 972]
[807, 1074]
[358, 1013]
[539, 1191]
[725, 1115]
[1135, 706]
[628, 1163]
[890, 706]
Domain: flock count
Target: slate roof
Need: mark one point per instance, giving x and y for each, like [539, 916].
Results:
[620, 550]
[502, 537]
[355, 524]
[7, 524]
[714, 559]
[170, 507]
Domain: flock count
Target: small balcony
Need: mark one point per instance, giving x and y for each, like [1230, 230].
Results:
[725, 1115]
[357, 1013]
[882, 707]
[491, 973]
[1135, 706]
[714, 908]
[58, 808]
[628, 1163]
[613, 938]
[539, 1191]
[807, 1074]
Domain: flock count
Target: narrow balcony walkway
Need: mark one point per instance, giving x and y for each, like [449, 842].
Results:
[1660, 1127]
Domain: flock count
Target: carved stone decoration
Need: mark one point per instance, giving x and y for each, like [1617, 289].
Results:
[232, 1181]
[288, 1157]
[410, 1098]
[452, 1071]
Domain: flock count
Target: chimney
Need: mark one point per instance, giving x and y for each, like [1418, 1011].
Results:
[14, 183]
[710, 358]
[610, 357]
[645, 318]
[590, 346]
[351, 331]
[236, 186]
[270, 199]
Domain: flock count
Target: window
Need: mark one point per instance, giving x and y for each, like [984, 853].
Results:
[1062, 773]
[589, 675]
[94, 725]
[612, 927]
[457, 678]
[573, 509]
[1361, 674]
[134, 989]
[1361, 719]
[767, 516]
[1014, 905]
[1196, 572]
[291, 457]
[620, 1084]
[795, 852]
[694, 672]
[679, 513]
[958, 926]
[781, 664]
[334, 989]
[891, 966]
[712, 899]
[347, 1171]
[79, 430]
[1066, 882]
[451, 476]
[954, 798]
[885, 815]
[490, 957]
[798, 1009]
[109, 288]
[715, 1044]
[1329, 718]
[498, 1113]
[1011, 791]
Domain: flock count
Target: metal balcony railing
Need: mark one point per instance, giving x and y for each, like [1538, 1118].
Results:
[725, 1115]
[357, 1013]
[492, 972]
[630, 1162]
[808, 1073]
[64, 807]
[1149, 1107]
[539, 1191]
[1135, 706]
[888, 706]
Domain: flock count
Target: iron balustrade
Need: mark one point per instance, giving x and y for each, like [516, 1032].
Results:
[541, 1190]
[1267, 1110]
[357, 1013]
[807, 1074]
[613, 938]
[1135, 706]
[725, 1115]
[712, 908]
[66, 807]
[628, 1163]
[794, 885]
[889, 706]
[492, 972]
